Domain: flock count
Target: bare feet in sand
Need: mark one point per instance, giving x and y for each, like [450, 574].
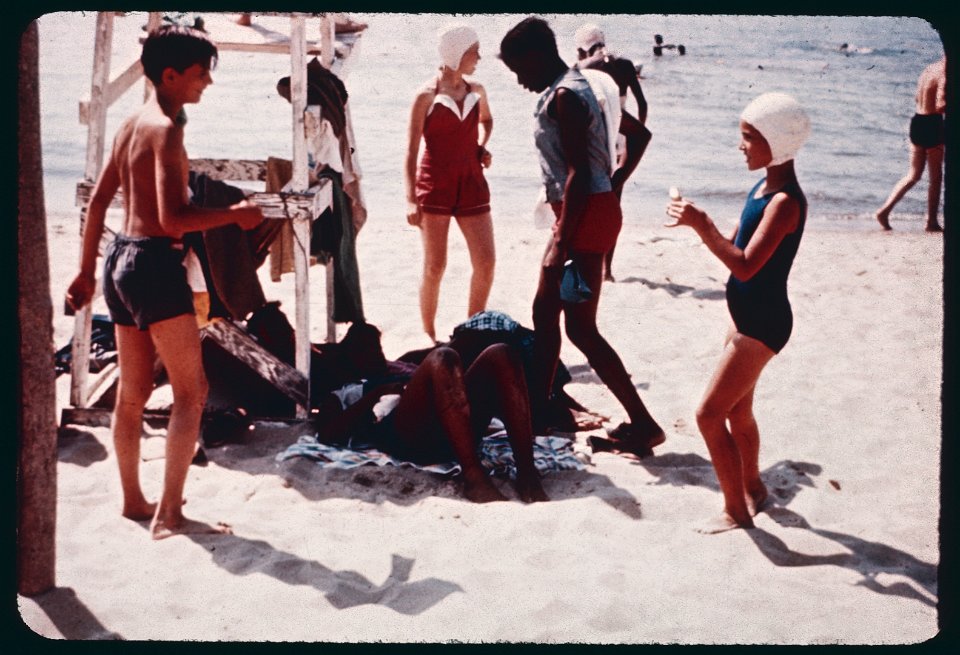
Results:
[627, 439]
[588, 420]
[723, 523]
[161, 529]
[139, 510]
[481, 491]
[883, 219]
[934, 227]
[530, 490]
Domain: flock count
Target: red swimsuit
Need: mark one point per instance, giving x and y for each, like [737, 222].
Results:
[450, 178]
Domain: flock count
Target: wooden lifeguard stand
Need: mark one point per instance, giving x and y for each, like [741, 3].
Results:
[299, 202]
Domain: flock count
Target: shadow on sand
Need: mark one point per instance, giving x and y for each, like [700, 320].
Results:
[785, 480]
[79, 447]
[342, 589]
[71, 617]
[677, 290]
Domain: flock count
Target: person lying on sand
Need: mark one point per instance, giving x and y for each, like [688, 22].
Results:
[433, 412]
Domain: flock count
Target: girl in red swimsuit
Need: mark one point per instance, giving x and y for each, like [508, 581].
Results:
[452, 117]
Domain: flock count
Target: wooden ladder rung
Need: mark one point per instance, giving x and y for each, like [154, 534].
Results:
[288, 380]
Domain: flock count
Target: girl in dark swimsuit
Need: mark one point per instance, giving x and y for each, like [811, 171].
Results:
[759, 255]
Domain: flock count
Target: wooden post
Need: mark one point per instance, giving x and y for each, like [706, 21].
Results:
[300, 182]
[327, 40]
[96, 135]
[37, 466]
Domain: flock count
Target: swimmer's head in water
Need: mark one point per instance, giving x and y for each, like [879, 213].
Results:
[782, 122]
[454, 41]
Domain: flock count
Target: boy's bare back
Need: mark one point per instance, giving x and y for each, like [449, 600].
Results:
[931, 89]
[151, 162]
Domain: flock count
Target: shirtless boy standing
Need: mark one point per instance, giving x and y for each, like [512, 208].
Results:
[926, 145]
[144, 281]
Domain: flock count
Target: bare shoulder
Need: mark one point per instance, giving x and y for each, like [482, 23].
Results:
[934, 72]
[786, 209]
[426, 92]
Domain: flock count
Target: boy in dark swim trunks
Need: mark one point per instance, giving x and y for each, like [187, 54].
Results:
[144, 281]
[759, 255]
[926, 145]
[582, 188]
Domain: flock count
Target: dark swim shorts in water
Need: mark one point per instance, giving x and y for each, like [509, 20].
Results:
[926, 130]
[144, 281]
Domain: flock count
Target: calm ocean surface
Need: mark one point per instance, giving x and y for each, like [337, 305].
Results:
[859, 102]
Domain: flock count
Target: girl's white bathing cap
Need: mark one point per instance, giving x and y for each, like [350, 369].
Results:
[454, 42]
[782, 122]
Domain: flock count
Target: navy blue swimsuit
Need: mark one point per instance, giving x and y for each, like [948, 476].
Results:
[759, 306]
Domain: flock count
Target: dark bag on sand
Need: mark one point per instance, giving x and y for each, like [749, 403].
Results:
[573, 288]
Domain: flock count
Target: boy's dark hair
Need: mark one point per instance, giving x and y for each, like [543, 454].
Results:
[178, 47]
[532, 34]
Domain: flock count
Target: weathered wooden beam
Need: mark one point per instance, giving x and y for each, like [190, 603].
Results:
[115, 88]
[286, 205]
[288, 380]
[276, 48]
[231, 169]
[96, 135]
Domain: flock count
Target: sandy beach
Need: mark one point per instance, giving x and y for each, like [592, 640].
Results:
[849, 415]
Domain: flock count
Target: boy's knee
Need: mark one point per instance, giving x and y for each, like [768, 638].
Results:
[582, 336]
[504, 355]
[132, 398]
[708, 416]
[434, 269]
[445, 358]
[194, 394]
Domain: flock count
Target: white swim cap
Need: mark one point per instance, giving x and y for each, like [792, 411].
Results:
[587, 36]
[454, 42]
[782, 122]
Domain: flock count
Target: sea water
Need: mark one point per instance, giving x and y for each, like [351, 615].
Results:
[859, 97]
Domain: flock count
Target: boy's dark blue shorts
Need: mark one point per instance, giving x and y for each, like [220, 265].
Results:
[144, 281]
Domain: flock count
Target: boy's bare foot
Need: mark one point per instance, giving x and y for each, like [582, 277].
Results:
[756, 497]
[160, 529]
[139, 511]
[530, 490]
[883, 219]
[629, 439]
[934, 227]
[588, 420]
[481, 491]
[723, 523]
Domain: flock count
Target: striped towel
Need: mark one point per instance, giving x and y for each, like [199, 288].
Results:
[549, 454]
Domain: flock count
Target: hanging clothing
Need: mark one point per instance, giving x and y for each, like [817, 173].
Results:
[333, 234]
